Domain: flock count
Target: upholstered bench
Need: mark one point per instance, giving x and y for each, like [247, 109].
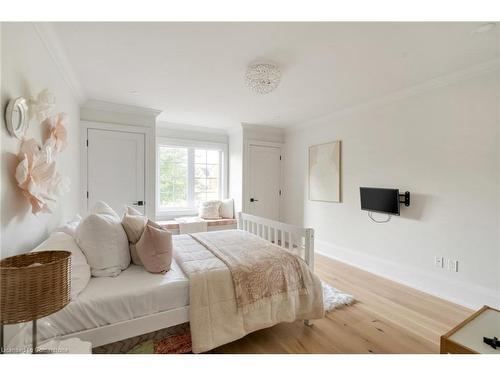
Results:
[217, 224]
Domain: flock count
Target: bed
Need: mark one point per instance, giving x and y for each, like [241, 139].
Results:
[137, 302]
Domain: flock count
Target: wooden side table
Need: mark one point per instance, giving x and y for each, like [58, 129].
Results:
[467, 337]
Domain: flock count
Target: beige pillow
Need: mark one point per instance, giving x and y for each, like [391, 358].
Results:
[134, 255]
[134, 226]
[134, 223]
[154, 248]
[132, 211]
[209, 210]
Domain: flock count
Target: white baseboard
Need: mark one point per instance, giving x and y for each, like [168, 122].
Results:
[459, 292]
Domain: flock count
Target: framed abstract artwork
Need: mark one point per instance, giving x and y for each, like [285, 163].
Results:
[324, 172]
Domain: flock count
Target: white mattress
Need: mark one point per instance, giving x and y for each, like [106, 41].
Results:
[106, 300]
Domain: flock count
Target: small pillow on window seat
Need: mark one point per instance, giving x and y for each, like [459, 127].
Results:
[227, 209]
[209, 210]
[154, 248]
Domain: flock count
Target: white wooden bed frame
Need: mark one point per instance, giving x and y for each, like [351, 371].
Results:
[293, 238]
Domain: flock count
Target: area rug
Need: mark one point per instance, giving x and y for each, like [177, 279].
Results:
[334, 298]
[180, 344]
[171, 340]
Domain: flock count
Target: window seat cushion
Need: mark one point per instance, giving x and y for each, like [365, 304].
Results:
[174, 225]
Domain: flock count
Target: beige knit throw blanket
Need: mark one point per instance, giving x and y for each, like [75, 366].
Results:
[259, 269]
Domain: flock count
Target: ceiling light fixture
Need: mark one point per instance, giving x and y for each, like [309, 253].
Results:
[263, 78]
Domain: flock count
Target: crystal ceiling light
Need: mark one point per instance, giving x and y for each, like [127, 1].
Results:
[263, 78]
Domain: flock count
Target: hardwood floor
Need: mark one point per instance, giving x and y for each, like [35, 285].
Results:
[387, 318]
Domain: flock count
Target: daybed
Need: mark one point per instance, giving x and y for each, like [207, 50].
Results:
[136, 302]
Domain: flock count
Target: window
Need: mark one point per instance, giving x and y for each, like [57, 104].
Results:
[188, 174]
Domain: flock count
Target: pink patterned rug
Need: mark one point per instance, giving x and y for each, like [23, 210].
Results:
[172, 340]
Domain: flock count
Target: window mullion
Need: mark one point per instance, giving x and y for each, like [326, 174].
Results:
[191, 177]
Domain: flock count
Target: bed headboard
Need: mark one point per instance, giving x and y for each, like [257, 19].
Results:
[291, 237]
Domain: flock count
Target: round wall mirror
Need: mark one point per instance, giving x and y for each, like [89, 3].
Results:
[16, 117]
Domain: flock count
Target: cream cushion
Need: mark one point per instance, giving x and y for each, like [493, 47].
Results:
[134, 226]
[103, 241]
[209, 210]
[226, 209]
[132, 211]
[154, 249]
[80, 270]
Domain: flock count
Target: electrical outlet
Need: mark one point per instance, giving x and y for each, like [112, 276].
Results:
[438, 262]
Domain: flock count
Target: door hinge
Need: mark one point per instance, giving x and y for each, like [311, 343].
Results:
[280, 157]
[87, 143]
[87, 195]
[280, 191]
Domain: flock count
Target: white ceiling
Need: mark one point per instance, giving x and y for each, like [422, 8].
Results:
[194, 71]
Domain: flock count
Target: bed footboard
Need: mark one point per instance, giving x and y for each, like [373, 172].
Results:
[298, 240]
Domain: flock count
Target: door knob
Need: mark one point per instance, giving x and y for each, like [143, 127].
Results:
[138, 203]
[253, 200]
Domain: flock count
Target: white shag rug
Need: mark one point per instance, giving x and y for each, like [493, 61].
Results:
[334, 298]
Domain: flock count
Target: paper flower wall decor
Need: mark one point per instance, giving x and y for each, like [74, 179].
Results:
[37, 177]
[55, 133]
[36, 173]
[41, 106]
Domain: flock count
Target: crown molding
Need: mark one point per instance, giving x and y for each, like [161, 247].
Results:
[104, 106]
[53, 45]
[160, 124]
[262, 128]
[432, 84]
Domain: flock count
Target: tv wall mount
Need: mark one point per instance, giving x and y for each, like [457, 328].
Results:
[405, 198]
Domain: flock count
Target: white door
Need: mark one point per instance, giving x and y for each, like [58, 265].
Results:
[115, 169]
[264, 181]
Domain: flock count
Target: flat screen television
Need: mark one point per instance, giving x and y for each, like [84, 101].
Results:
[380, 200]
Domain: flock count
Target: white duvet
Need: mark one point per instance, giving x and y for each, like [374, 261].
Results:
[214, 316]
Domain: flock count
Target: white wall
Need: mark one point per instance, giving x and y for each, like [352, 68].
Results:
[443, 146]
[236, 167]
[27, 68]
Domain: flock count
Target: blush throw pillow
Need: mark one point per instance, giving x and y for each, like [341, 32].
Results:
[209, 210]
[103, 241]
[154, 248]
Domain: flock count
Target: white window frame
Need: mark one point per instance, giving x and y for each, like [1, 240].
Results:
[171, 212]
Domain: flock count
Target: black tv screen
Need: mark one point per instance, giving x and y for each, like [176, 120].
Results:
[380, 200]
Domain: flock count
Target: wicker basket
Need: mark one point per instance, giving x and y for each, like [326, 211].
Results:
[34, 285]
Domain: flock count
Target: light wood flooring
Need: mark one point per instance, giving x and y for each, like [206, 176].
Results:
[387, 318]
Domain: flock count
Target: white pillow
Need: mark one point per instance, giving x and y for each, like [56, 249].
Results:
[103, 241]
[70, 226]
[80, 270]
[209, 210]
[227, 208]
